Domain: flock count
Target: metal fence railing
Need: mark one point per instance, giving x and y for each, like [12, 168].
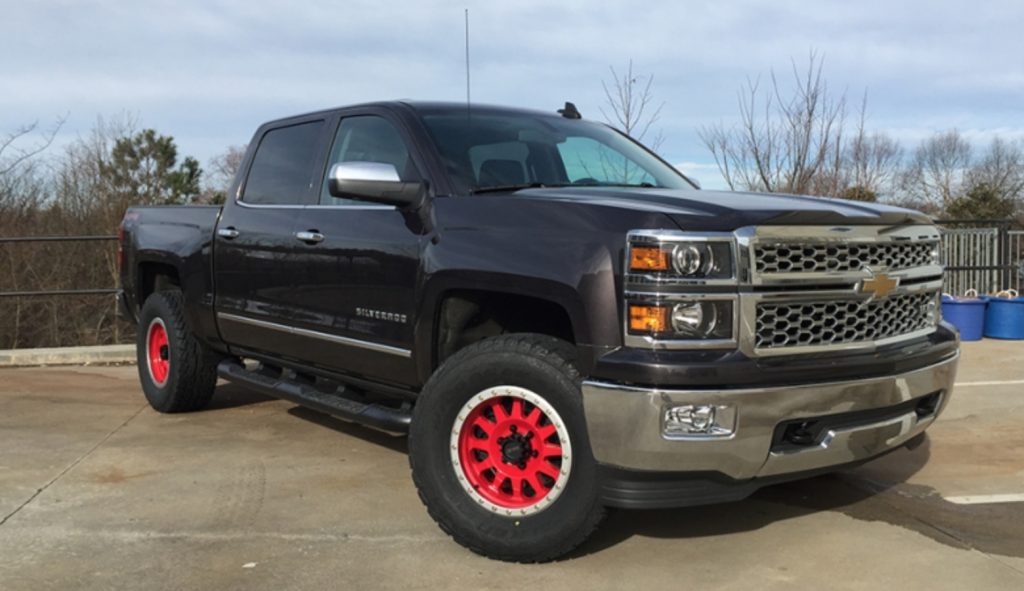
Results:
[1015, 239]
[56, 292]
[984, 255]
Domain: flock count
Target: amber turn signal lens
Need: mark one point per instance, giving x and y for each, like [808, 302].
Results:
[648, 258]
[648, 319]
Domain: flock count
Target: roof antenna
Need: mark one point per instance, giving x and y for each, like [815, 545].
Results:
[467, 59]
[570, 112]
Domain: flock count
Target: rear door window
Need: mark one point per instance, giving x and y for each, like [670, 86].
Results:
[284, 167]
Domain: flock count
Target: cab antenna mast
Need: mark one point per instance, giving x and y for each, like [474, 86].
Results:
[467, 58]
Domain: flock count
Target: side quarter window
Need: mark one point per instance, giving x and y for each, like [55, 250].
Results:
[367, 138]
[284, 167]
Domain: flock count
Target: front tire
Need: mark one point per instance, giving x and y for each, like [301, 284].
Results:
[499, 450]
[178, 373]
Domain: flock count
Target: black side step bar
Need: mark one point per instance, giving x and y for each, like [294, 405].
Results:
[373, 415]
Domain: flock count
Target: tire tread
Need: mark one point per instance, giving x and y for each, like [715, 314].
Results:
[558, 354]
[194, 367]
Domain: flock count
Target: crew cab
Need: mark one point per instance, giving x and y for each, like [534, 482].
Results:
[560, 320]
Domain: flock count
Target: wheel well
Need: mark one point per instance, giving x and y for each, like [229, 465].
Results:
[155, 277]
[467, 317]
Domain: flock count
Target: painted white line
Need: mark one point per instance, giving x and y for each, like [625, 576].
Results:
[985, 499]
[992, 383]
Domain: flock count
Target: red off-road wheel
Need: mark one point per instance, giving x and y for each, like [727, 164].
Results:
[158, 352]
[178, 373]
[511, 450]
[499, 450]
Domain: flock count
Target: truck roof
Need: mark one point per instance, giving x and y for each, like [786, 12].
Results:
[421, 106]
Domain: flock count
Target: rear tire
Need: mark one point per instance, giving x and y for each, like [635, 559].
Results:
[178, 373]
[499, 451]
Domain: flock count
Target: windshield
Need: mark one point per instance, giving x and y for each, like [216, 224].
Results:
[492, 151]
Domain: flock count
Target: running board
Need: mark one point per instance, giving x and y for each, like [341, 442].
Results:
[377, 416]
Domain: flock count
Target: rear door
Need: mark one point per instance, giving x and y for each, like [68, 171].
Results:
[355, 301]
[254, 270]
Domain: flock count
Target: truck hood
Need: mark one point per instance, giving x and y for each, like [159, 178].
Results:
[727, 211]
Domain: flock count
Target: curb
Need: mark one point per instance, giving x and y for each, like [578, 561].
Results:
[99, 355]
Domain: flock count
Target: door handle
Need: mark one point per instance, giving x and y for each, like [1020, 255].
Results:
[229, 233]
[310, 236]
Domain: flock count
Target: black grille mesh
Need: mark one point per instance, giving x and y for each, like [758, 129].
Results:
[818, 258]
[835, 322]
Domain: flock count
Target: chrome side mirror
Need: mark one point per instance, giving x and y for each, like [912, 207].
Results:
[372, 181]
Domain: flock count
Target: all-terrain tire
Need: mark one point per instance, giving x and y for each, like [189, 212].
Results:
[178, 373]
[508, 523]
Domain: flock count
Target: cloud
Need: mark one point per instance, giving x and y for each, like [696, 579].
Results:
[209, 71]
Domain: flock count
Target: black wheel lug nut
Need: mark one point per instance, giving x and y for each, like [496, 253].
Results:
[513, 429]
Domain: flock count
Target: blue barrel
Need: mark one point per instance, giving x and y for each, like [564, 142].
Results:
[1004, 318]
[966, 314]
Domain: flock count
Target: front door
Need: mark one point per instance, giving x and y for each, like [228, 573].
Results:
[355, 297]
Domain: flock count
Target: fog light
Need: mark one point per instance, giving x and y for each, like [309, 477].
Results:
[699, 421]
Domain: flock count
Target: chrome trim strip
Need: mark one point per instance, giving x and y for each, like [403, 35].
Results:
[367, 206]
[839, 233]
[311, 206]
[303, 332]
[831, 277]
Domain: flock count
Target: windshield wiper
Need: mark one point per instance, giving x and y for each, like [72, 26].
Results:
[500, 188]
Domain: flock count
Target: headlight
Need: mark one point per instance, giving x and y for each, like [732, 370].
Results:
[704, 259]
[683, 320]
[680, 289]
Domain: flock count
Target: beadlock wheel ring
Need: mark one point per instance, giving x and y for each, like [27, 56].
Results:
[510, 450]
[158, 352]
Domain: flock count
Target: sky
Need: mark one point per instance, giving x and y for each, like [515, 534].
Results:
[208, 72]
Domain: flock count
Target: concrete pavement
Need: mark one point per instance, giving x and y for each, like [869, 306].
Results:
[100, 354]
[97, 491]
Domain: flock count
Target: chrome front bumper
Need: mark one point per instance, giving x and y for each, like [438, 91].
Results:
[625, 423]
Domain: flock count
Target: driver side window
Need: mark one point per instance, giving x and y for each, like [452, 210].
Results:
[367, 138]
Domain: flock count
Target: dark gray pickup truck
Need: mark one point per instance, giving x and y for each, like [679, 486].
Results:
[559, 319]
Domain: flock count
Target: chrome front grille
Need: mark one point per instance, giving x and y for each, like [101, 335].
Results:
[784, 325]
[838, 257]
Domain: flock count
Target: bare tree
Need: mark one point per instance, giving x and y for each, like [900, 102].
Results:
[784, 142]
[22, 196]
[82, 189]
[871, 161]
[1001, 168]
[937, 171]
[13, 152]
[222, 170]
[630, 104]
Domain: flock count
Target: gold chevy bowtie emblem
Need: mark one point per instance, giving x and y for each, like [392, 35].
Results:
[879, 285]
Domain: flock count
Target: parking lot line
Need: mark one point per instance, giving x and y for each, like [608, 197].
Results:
[986, 499]
[991, 383]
